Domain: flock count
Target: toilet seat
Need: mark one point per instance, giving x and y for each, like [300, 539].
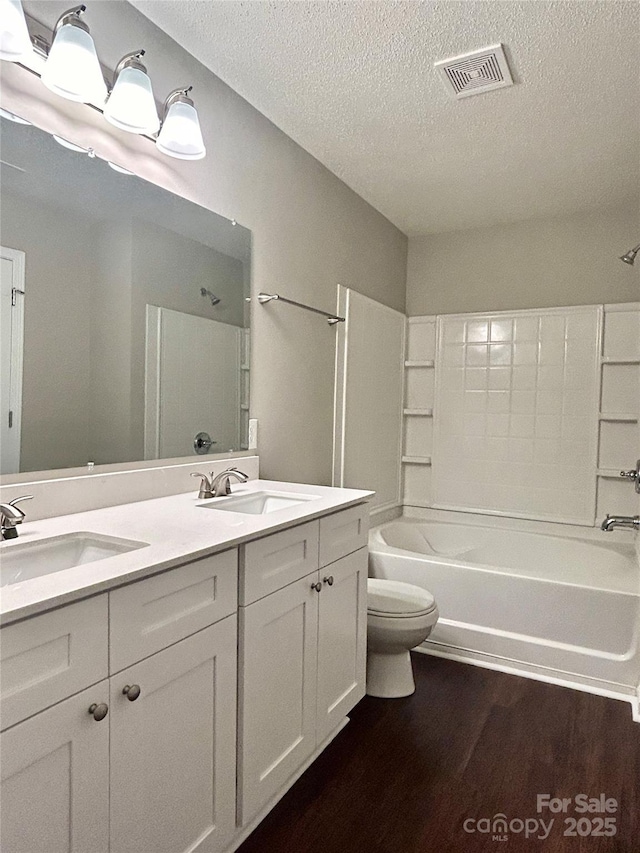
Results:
[397, 600]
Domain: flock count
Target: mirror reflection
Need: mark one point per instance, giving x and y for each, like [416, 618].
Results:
[125, 330]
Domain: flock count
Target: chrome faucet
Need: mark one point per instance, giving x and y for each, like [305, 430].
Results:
[630, 521]
[11, 515]
[221, 485]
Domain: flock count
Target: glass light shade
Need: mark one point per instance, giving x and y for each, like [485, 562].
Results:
[180, 135]
[131, 105]
[72, 68]
[70, 145]
[15, 43]
[120, 169]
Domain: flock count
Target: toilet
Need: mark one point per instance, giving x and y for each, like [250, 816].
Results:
[399, 617]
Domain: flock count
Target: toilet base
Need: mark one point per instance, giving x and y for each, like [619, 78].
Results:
[389, 676]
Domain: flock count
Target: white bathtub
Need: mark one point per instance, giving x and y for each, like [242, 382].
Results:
[561, 608]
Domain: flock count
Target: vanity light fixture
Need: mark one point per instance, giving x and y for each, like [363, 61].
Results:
[131, 105]
[120, 169]
[67, 63]
[73, 147]
[70, 145]
[72, 68]
[15, 42]
[180, 135]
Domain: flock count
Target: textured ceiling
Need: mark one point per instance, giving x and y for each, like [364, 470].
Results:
[354, 84]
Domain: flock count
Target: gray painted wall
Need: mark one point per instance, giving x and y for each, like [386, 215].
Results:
[310, 231]
[533, 264]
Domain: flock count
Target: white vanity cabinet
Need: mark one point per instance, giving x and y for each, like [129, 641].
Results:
[302, 650]
[159, 716]
[152, 765]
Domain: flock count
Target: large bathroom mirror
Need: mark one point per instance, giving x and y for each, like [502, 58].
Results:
[125, 328]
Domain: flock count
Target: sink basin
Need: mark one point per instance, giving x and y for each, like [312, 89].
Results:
[23, 562]
[259, 503]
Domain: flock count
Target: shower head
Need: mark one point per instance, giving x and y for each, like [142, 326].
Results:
[630, 256]
[214, 299]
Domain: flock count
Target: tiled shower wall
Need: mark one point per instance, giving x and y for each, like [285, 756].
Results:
[619, 436]
[533, 413]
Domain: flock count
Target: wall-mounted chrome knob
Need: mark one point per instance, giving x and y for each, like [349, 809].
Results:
[99, 712]
[317, 586]
[328, 580]
[131, 691]
[202, 443]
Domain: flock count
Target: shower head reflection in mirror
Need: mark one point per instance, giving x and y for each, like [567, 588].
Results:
[214, 299]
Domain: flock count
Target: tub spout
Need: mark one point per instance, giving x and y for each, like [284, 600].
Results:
[612, 521]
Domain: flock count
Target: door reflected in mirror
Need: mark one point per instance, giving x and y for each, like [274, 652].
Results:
[125, 328]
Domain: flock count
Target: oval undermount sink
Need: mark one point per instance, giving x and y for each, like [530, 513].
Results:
[259, 503]
[25, 561]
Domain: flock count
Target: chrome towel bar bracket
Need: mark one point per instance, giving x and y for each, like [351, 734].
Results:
[332, 319]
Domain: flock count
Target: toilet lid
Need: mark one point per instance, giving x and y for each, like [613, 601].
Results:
[397, 598]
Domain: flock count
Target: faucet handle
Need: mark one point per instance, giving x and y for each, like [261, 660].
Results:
[18, 500]
[205, 478]
[18, 514]
[206, 491]
[11, 515]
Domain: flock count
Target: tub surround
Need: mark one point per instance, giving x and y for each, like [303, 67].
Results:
[499, 387]
[176, 528]
[547, 601]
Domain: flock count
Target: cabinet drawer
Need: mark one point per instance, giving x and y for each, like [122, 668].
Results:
[47, 658]
[343, 533]
[270, 563]
[156, 612]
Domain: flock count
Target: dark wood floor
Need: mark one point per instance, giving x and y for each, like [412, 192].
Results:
[404, 775]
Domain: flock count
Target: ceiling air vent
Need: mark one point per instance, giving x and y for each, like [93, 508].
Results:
[476, 72]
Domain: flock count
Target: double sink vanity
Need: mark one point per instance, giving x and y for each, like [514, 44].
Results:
[171, 666]
[170, 662]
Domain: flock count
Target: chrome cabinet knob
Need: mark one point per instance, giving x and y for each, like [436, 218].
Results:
[131, 691]
[328, 580]
[317, 586]
[99, 712]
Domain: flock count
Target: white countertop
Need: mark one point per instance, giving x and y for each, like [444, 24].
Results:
[176, 529]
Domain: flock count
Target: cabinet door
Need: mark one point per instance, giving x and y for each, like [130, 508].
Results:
[342, 639]
[173, 747]
[55, 779]
[277, 691]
